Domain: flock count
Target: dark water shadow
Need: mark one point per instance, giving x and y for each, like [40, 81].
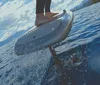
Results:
[63, 69]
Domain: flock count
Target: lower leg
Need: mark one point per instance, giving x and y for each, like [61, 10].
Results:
[47, 5]
[40, 6]
[40, 18]
[48, 13]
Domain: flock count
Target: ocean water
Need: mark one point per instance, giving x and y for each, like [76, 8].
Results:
[79, 53]
[83, 44]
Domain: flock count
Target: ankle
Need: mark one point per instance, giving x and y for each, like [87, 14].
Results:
[39, 14]
[46, 13]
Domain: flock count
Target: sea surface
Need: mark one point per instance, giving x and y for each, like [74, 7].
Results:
[79, 53]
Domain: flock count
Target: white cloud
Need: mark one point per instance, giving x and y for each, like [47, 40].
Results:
[21, 15]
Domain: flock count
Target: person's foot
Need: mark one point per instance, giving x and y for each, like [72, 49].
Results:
[41, 19]
[50, 14]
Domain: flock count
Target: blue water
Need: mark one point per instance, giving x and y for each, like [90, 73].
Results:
[82, 45]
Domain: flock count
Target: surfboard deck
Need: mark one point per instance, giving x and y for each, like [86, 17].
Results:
[45, 35]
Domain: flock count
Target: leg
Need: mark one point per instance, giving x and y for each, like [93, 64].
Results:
[40, 18]
[47, 5]
[40, 6]
[47, 9]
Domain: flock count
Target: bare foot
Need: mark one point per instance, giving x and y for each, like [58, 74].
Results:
[50, 14]
[41, 19]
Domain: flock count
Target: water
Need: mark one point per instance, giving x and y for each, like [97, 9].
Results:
[82, 45]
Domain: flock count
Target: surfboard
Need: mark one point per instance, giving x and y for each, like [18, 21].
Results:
[45, 35]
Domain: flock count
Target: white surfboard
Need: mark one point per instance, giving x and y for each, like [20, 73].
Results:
[45, 35]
